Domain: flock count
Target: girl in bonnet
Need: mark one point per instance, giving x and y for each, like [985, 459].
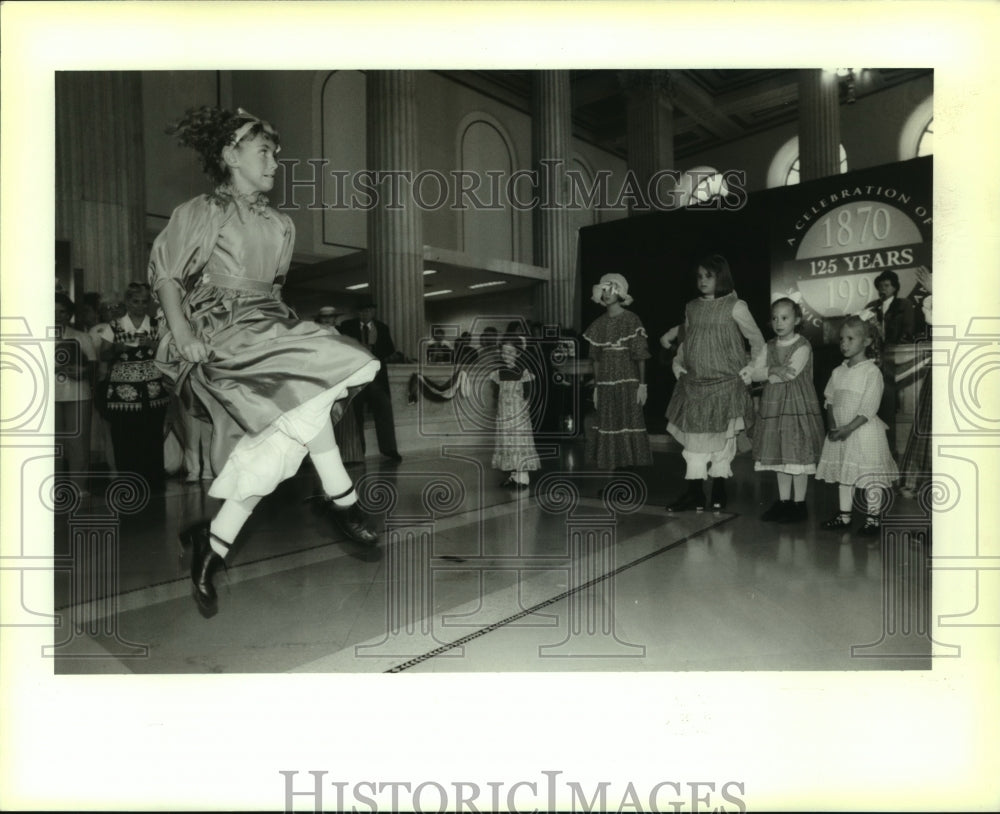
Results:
[236, 353]
[618, 351]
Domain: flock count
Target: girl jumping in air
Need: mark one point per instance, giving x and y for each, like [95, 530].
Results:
[235, 351]
[856, 449]
[788, 436]
[711, 403]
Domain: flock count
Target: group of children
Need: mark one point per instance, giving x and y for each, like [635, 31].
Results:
[711, 403]
[273, 385]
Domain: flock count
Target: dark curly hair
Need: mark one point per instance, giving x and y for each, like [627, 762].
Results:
[207, 130]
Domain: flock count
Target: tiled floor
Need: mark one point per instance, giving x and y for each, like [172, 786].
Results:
[471, 577]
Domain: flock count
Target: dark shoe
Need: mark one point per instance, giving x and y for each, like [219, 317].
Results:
[839, 522]
[205, 564]
[353, 522]
[778, 511]
[795, 513]
[871, 528]
[692, 499]
[718, 494]
[395, 457]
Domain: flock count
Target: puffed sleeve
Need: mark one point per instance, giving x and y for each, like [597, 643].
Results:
[831, 387]
[638, 343]
[796, 363]
[184, 246]
[749, 329]
[285, 259]
[871, 398]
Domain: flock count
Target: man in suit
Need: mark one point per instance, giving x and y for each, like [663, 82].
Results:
[896, 321]
[375, 336]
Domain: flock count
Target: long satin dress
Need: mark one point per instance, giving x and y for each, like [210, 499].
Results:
[271, 379]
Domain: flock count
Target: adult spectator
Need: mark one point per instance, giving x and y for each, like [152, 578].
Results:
[375, 336]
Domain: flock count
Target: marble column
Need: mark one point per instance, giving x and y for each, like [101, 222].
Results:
[819, 124]
[395, 235]
[553, 241]
[650, 133]
[100, 176]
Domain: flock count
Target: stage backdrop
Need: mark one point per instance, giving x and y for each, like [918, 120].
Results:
[823, 242]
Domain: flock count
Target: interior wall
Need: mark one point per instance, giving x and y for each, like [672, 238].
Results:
[866, 145]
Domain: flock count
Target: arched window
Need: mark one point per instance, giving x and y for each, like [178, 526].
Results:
[917, 134]
[792, 176]
[699, 185]
[926, 144]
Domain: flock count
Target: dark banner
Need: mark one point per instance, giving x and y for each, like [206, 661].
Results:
[831, 238]
[822, 242]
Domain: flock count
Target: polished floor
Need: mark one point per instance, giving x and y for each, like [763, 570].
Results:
[472, 577]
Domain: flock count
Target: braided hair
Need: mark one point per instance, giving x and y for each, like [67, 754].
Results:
[208, 130]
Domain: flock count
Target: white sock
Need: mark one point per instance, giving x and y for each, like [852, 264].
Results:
[228, 522]
[844, 495]
[784, 486]
[801, 484]
[332, 474]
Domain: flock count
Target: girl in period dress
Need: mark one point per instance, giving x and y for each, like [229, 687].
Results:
[711, 403]
[856, 453]
[515, 451]
[788, 436]
[235, 351]
[619, 348]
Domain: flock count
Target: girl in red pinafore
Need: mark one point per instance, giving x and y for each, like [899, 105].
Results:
[236, 352]
[711, 403]
[788, 437]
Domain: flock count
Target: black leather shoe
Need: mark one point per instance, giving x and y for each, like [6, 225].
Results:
[395, 457]
[718, 494]
[777, 512]
[205, 564]
[795, 513]
[692, 499]
[353, 522]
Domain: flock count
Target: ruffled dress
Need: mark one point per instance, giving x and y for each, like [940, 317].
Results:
[710, 403]
[618, 344]
[270, 380]
[515, 442]
[853, 391]
[788, 435]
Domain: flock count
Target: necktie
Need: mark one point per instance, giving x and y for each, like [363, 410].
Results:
[365, 334]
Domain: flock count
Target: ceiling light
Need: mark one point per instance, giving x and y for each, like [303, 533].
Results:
[429, 271]
[438, 293]
[356, 287]
[487, 285]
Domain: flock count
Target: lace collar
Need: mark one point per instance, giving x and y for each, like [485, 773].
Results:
[256, 202]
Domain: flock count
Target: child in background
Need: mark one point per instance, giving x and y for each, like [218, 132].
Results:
[711, 403]
[856, 449]
[515, 451]
[788, 436]
[619, 349]
[136, 398]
